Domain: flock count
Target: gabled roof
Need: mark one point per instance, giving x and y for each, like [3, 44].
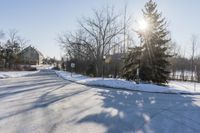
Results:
[30, 47]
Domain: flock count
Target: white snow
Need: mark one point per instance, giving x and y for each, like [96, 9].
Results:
[15, 74]
[185, 86]
[44, 103]
[171, 87]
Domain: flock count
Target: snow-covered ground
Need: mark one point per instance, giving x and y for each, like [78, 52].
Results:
[172, 86]
[45, 103]
[15, 74]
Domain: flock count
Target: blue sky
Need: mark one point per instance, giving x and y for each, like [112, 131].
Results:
[42, 20]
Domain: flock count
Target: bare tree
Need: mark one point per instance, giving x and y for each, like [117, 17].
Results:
[96, 37]
[22, 42]
[13, 35]
[175, 52]
[194, 40]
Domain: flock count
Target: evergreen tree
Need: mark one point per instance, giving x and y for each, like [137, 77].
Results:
[154, 66]
[11, 52]
[153, 62]
[131, 63]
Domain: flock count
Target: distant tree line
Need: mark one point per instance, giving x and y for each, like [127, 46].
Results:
[184, 69]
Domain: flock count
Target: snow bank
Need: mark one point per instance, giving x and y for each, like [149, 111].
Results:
[15, 74]
[172, 87]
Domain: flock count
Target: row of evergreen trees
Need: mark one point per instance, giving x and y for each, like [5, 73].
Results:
[10, 49]
[150, 61]
[9, 54]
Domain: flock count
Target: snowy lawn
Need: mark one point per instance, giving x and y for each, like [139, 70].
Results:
[172, 87]
[15, 74]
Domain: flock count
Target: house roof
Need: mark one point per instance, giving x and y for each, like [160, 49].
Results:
[35, 49]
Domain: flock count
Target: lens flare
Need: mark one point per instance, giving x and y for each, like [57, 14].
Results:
[143, 25]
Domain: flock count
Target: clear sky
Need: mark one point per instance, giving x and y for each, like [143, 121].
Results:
[42, 20]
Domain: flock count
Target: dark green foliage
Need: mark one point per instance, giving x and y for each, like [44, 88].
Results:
[90, 70]
[154, 49]
[132, 62]
[10, 53]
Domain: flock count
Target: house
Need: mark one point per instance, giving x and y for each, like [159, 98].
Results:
[31, 56]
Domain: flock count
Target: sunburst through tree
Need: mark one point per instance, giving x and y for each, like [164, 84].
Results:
[153, 60]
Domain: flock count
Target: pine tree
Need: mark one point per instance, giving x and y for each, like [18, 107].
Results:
[131, 63]
[153, 64]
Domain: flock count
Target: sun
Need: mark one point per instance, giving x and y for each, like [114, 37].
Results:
[143, 25]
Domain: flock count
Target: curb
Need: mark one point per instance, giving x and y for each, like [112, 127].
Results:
[126, 89]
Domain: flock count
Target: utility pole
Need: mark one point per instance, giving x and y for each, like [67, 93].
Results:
[125, 8]
[103, 68]
[195, 71]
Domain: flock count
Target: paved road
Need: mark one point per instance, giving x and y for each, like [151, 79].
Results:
[45, 103]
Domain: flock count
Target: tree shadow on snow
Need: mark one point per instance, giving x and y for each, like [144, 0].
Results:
[122, 111]
[41, 101]
[128, 111]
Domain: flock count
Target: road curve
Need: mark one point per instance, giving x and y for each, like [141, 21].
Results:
[45, 103]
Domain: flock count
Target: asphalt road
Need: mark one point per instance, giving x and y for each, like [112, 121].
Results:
[45, 103]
